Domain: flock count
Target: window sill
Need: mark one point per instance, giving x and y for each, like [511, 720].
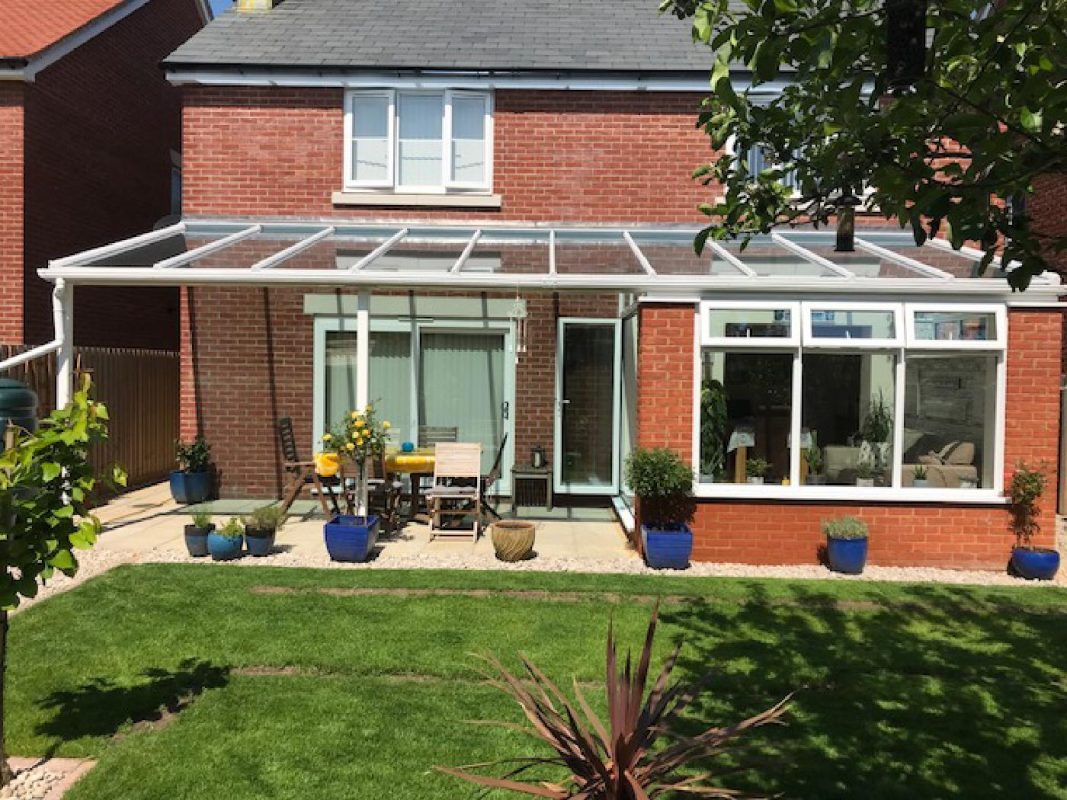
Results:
[849, 494]
[417, 200]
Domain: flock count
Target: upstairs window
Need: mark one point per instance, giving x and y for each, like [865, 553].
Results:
[418, 141]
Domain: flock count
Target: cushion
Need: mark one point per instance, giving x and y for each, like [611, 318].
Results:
[961, 454]
[948, 448]
[930, 458]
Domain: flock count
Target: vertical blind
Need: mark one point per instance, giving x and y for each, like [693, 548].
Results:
[421, 144]
[468, 139]
[370, 138]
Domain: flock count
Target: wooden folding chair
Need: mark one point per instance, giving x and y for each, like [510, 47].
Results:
[429, 436]
[457, 486]
[300, 473]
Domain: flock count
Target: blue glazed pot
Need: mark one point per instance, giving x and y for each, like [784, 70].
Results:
[350, 538]
[667, 547]
[846, 555]
[196, 540]
[1039, 564]
[190, 487]
[260, 543]
[223, 548]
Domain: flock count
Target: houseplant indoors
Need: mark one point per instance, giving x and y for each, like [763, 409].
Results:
[196, 534]
[226, 543]
[261, 527]
[1028, 561]
[864, 472]
[191, 482]
[846, 544]
[756, 470]
[918, 476]
[662, 483]
[813, 458]
[351, 536]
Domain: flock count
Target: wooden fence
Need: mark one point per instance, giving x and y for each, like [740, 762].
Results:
[140, 389]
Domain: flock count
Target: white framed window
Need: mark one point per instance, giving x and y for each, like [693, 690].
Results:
[869, 401]
[853, 325]
[420, 142]
[956, 327]
[744, 323]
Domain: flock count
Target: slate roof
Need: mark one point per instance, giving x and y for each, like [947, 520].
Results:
[613, 36]
[29, 26]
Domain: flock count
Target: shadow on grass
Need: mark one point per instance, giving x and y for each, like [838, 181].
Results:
[942, 697]
[102, 708]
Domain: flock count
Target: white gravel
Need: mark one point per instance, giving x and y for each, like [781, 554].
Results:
[32, 784]
[90, 564]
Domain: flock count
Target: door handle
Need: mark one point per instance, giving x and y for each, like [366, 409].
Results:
[506, 409]
[564, 402]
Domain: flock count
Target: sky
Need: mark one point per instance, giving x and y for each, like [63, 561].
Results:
[220, 5]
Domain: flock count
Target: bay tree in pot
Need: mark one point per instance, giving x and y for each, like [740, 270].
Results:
[191, 482]
[663, 483]
[1028, 561]
[846, 544]
[196, 534]
[261, 528]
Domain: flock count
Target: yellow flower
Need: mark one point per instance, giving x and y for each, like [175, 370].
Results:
[355, 415]
[327, 437]
[386, 425]
[350, 446]
[359, 442]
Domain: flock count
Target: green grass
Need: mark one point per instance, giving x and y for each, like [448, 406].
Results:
[903, 691]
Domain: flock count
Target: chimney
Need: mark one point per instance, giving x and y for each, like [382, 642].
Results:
[256, 5]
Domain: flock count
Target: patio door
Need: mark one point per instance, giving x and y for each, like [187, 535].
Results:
[588, 353]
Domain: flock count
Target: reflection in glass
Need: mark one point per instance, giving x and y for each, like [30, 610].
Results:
[955, 325]
[744, 323]
[846, 324]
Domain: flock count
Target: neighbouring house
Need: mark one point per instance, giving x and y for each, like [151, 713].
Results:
[480, 215]
[90, 151]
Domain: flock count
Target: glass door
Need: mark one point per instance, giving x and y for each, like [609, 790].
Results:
[588, 353]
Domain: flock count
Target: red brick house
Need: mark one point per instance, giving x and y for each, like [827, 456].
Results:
[89, 151]
[480, 215]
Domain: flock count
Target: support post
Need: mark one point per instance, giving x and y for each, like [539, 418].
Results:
[63, 319]
[362, 349]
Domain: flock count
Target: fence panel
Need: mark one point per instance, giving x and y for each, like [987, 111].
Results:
[140, 390]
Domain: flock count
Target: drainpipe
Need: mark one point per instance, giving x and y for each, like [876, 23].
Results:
[1062, 504]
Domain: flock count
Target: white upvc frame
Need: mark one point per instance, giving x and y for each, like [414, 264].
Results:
[764, 342]
[811, 341]
[349, 178]
[392, 183]
[997, 343]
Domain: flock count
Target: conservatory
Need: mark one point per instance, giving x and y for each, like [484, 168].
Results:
[892, 381]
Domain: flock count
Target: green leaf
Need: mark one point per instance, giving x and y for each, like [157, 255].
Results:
[1031, 120]
[64, 561]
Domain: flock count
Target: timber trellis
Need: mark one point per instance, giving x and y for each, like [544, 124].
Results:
[140, 390]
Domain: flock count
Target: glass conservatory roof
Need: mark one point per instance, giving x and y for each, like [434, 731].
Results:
[638, 259]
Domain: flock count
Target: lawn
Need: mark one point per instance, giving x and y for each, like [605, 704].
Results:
[282, 683]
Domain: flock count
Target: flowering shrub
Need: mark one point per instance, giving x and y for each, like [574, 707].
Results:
[359, 437]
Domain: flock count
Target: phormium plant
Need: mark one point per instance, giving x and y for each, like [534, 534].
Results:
[622, 759]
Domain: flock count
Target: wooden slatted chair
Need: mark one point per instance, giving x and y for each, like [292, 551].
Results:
[300, 473]
[457, 487]
[429, 436]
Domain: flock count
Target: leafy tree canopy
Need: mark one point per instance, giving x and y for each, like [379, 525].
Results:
[941, 143]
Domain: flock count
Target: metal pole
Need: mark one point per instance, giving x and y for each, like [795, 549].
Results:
[63, 319]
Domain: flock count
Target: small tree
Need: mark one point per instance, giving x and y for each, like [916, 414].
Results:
[46, 483]
[1027, 486]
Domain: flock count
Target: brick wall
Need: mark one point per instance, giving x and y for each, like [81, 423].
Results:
[11, 194]
[100, 127]
[788, 532]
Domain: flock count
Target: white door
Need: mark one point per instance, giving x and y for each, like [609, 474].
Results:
[588, 354]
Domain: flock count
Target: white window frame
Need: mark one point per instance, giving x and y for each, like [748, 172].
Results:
[1000, 319]
[350, 181]
[392, 184]
[895, 493]
[764, 342]
[811, 341]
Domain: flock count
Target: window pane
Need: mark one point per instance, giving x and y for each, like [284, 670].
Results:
[340, 376]
[468, 139]
[421, 143]
[370, 138]
[748, 322]
[955, 325]
[746, 407]
[847, 419]
[839, 324]
[949, 412]
[390, 382]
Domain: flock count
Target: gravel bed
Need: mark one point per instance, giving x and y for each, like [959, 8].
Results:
[33, 784]
[90, 564]
[622, 565]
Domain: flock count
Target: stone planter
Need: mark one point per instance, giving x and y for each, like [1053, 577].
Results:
[513, 539]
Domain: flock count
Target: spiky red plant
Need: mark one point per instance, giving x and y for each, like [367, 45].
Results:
[618, 761]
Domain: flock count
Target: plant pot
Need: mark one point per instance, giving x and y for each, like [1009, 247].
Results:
[351, 538]
[260, 541]
[752, 479]
[815, 480]
[196, 540]
[920, 482]
[190, 487]
[667, 547]
[513, 539]
[865, 481]
[224, 548]
[1037, 564]
[846, 555]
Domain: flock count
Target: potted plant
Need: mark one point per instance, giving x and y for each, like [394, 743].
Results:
[1028, 561]
[261, 527]
[191, 482]
[918, 476]
[756, 469]
[196, 534]
[513, 539]
[662, 483]
[813, 458]
[351, 536]
[846, 544]
[225, 543]
[864, 473]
